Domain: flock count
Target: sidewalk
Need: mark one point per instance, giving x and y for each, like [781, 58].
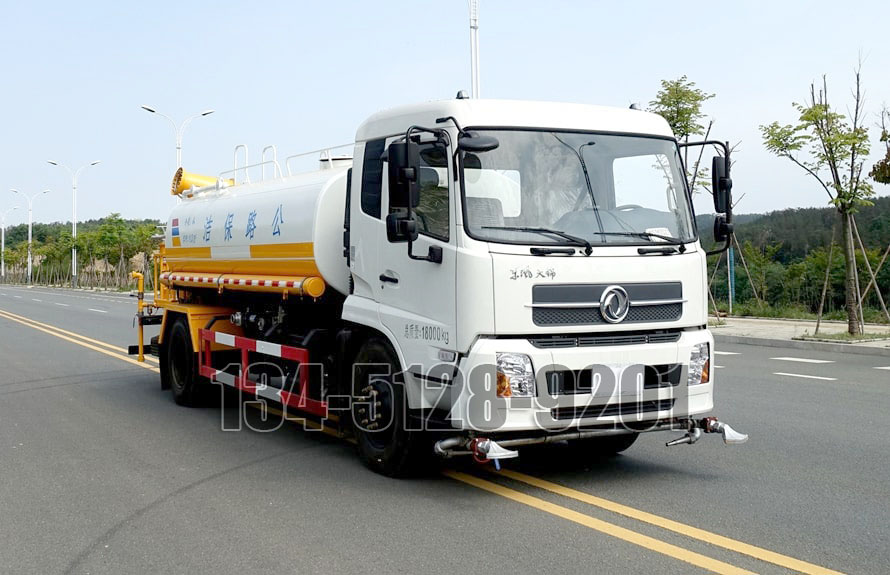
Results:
[779, 333]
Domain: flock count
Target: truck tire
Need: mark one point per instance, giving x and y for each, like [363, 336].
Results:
[181, 364]
[603, 446]
[392, 449]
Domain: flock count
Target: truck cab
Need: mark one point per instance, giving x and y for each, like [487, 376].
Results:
[535, 267]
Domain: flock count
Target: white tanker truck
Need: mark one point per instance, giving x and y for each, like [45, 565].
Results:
[477, 277]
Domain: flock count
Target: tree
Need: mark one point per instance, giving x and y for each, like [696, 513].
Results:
[824, 140]
[881, 170]
[679, 102]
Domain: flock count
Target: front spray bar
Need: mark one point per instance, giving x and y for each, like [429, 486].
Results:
[709, 425]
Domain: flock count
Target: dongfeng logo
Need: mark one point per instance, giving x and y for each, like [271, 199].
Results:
[614, 304]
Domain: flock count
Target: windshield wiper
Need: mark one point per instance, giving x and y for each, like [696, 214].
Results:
[579, 153]
[575, 240]
[645, 236]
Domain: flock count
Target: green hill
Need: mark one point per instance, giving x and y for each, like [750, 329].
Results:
[798, 231]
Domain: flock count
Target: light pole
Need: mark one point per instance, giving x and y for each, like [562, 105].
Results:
[30, 220]
[73, 175]
[3, 242]
[178, 131]
[474, 46]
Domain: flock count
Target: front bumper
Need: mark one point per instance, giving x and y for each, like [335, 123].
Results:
[619, 399]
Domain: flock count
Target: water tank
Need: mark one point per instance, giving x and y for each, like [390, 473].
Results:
[290, 227]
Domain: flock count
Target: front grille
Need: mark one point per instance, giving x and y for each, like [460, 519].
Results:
[603, 339]
[573, 382]
[612, 409]
[564, 304]
[582, 316]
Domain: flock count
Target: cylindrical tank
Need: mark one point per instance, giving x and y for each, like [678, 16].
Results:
[290, 227]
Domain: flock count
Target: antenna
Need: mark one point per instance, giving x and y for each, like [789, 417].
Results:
[474, 46]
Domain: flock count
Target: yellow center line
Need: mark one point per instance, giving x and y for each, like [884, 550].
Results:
[8, 316]
[72, 334]
[795, 565]
[708, 563]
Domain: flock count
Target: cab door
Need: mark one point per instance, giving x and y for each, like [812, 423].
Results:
[417, 297]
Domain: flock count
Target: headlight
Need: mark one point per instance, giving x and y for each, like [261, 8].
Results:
[516, 376]
[699, 364]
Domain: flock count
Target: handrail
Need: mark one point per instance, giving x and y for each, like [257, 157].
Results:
[328, 151]
[274, 159]
[277, 170]
[235, 166]
[270, 157]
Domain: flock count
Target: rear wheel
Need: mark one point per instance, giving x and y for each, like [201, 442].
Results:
[181, 364]
[379, 409]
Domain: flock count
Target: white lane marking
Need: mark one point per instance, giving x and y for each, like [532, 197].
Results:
[802, 360]
[62, 304]
[97, 310]
[806, 376]
[726, 353]
[719, 366]
[35, 299]
[17, 296]
[887, 368]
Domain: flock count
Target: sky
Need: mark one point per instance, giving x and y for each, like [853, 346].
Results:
[303, 75]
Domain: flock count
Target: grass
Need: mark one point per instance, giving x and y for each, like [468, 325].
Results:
[845, 337]
[753, 308]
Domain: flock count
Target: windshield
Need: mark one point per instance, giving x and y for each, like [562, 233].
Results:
[551, 187]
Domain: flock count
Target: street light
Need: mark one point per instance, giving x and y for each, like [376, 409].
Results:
[3, 242]
[474, 46]
[73, 175]
[30, 211]
[178, 131]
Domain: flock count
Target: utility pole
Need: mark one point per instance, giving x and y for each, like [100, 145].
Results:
[474, 46]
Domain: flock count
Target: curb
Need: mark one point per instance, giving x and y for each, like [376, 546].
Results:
[796, 344]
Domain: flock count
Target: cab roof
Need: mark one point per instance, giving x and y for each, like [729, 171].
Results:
[472, 113]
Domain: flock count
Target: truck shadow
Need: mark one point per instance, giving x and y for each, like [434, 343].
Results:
[561, 460]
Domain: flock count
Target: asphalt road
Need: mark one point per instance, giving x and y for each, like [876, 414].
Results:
[100, 472]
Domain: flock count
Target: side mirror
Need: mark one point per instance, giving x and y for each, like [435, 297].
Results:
[403, 159]
[474, 142]
[721, 184]
[401, 228]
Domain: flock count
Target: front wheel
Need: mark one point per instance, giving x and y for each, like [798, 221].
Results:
[379, 410]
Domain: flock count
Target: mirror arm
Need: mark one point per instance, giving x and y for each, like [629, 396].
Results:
[726, 243]
[453, 119]
[723, 145]
[434, 254]
[726, 153]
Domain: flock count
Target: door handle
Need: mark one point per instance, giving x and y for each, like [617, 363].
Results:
[388, 279]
